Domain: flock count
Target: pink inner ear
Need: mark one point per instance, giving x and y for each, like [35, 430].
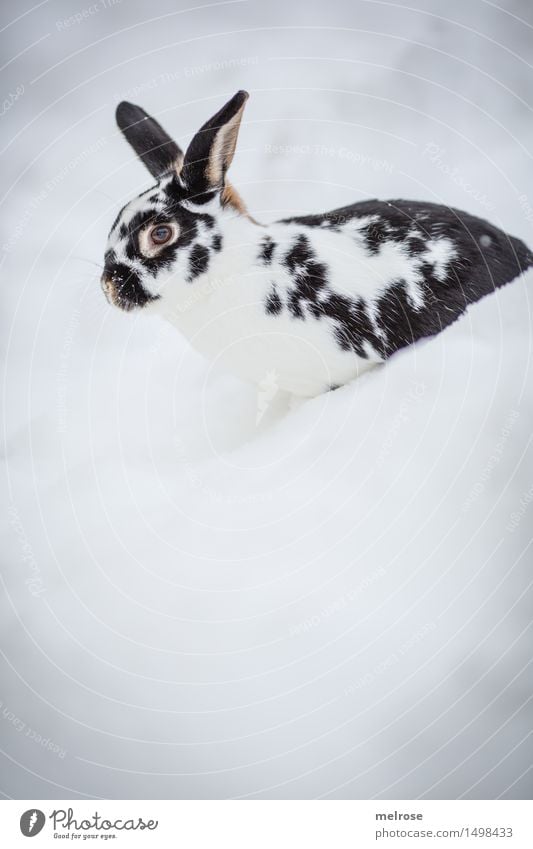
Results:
[211, 150]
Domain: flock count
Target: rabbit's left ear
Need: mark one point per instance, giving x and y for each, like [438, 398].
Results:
[151, 143]
[210, 153]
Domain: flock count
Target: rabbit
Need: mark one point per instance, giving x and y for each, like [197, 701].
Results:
[313, 301]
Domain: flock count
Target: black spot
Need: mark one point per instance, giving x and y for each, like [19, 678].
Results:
[295, 305]
[273, 302]
[198, 261]
[309, 277]
[397, 317]
[312, 296]
[164, 259]
[416, 244]
[400, 230]
[131, 250]
[138, 222]
[133, 292]
[216, 242]
[207, 219]
[353, 327]
[266, 253]
[173, 191]
[374, 234]
[188, 226]
[476, 270]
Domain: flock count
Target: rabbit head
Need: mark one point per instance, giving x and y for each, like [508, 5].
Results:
[170, 232]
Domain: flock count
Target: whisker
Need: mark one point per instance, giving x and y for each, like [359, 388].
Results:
[91, 261]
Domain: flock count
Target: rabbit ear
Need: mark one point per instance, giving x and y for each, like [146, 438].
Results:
[210, 153]
[158, 151]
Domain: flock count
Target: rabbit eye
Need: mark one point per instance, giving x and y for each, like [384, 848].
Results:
[161, 234]
[152, 239]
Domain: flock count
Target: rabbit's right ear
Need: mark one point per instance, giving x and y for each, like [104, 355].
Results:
[151, 143]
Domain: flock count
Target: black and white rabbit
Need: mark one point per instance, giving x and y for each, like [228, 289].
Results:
[315, 300]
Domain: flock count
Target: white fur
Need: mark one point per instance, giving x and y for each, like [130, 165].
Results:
[223, 311]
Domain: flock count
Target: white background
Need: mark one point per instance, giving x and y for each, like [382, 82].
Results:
[207, 596]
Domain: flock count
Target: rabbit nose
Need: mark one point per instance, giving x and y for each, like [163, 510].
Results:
[122, 285]
[112, 279]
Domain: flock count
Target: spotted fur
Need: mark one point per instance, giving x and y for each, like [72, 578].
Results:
[314, 300]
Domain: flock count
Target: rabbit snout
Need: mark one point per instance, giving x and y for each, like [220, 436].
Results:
[122, 286]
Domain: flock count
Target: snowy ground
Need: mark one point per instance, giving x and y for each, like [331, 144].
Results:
[207, 595]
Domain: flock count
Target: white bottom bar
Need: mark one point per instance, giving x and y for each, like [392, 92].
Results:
[268, 824]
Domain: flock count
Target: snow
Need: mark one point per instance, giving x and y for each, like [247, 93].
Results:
[207, 594]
